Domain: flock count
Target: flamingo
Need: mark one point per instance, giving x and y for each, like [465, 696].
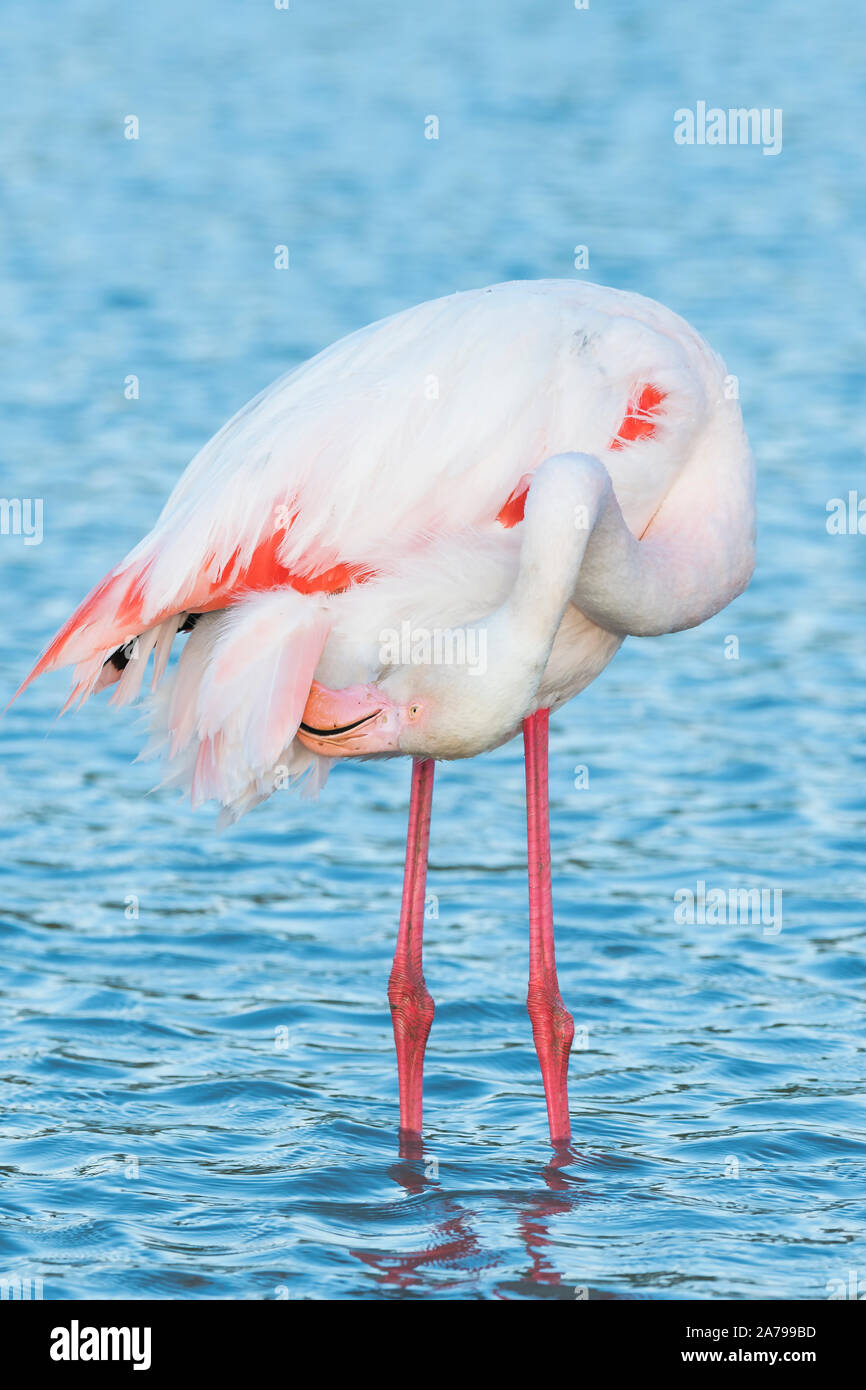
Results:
[529, 472]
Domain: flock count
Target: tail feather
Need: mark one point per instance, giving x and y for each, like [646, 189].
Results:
[109, 617]
[226, 719]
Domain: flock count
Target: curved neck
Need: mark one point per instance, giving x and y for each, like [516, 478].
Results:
[563, 509]
[565, 505]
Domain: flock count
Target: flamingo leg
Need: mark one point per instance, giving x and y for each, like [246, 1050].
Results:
[411, 1004]
[552, 1024]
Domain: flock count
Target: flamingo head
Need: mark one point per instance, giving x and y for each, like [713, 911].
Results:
[358, 721]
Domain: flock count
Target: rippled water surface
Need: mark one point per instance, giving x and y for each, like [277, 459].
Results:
[198, 1082]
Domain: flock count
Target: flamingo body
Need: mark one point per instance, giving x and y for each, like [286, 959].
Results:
[384, 483]
[521, 476]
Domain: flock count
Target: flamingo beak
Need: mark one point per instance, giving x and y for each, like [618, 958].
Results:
[355, 722]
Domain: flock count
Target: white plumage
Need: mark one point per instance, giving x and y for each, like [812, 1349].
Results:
[368, 489]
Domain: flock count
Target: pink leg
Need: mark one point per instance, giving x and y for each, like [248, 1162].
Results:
[552, 1024]
[411, 1005]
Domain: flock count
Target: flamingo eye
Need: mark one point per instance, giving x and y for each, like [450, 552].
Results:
[414, 711]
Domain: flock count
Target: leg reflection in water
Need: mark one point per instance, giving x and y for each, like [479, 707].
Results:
[453, 1240]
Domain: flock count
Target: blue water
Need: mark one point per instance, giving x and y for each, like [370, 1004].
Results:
[198, 1083]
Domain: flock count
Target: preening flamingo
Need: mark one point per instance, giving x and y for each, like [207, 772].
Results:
[520, 477]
